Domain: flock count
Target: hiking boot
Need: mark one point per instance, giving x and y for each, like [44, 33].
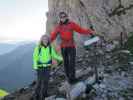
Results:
[73, 81]
[88, 88]
[35, 97]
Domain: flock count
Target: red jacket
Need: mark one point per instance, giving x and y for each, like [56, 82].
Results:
[66, 33]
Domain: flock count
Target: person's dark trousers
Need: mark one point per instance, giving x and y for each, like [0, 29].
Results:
[69, 55]
[43, 75]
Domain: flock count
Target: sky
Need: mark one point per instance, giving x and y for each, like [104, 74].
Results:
[22, 19]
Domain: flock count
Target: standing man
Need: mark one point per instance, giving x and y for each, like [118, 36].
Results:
[65, 28]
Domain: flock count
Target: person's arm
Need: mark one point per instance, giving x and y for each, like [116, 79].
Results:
[81, 30]
[53, 35]
[56, 56]
[35, 58]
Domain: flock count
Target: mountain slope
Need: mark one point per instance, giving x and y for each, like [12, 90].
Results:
[5, 48]
[16, 67]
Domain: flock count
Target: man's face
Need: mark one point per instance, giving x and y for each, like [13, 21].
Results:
[63, 17]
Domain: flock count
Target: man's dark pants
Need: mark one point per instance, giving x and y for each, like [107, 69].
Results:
[69, 55]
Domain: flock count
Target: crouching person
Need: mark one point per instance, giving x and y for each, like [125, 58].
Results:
[42, 62]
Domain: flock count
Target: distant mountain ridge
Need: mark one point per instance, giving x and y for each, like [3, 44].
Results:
[16, 67]
[5, 48]
[8, 46]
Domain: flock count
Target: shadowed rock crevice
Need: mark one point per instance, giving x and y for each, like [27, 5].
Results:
[120, 10]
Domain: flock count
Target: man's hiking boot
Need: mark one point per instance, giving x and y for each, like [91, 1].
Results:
[35, 97]
[73, 81]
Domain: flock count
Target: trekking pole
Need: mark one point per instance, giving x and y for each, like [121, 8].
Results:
[95, 67]
[95, 53]
[91, 42]
[121, 40]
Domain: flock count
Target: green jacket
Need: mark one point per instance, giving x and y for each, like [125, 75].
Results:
[2, 93]
[44, 56]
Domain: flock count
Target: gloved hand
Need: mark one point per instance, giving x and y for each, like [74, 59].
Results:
[60, 63]
[53, 67]
[91, 27]
[92, 35]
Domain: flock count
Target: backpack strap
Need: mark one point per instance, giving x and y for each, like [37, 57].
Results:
[39, 50]
[50, 50]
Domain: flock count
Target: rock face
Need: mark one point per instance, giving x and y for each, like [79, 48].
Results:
[109, 17]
